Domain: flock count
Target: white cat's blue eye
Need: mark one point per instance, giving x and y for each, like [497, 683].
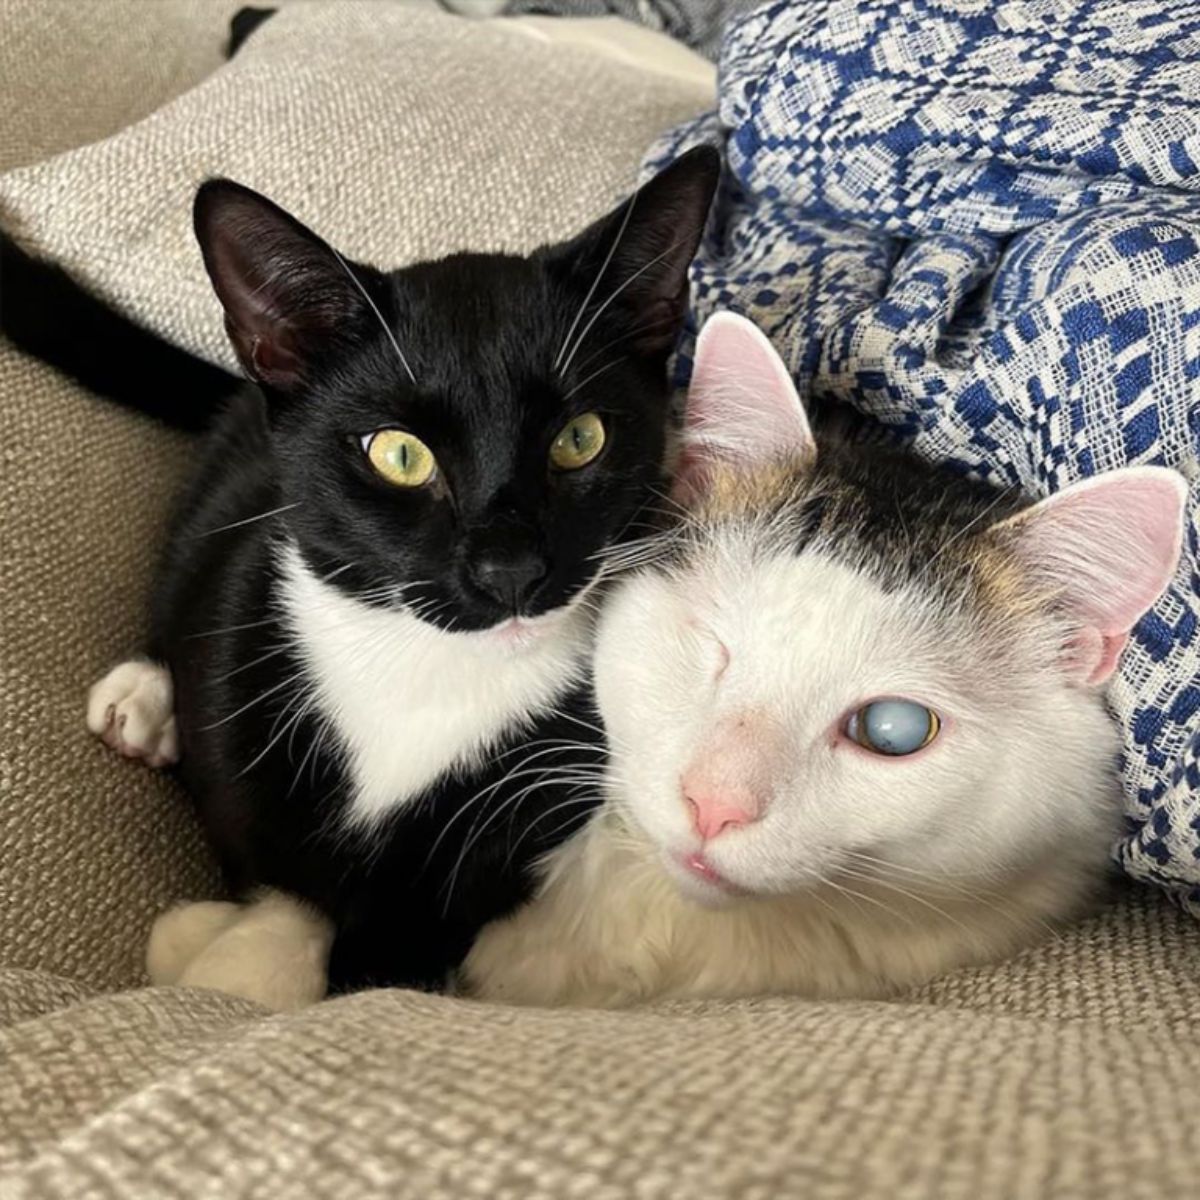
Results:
[893, 727]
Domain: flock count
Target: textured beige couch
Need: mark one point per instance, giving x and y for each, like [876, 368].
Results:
[1073, 1071]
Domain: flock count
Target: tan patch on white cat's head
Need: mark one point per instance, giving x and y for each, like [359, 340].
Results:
[740, 493]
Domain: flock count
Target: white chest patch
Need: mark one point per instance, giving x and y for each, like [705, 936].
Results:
[411, 702]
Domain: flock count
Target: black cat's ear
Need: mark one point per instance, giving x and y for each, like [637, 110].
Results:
[634, 261]
[288, 296]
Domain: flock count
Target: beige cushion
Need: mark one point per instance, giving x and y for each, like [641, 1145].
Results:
[77, 70]
[91, 846]
[1071, 1074]
[398, 132]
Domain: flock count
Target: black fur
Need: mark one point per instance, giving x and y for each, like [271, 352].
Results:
[481, 334]
[47, 314]
[245, 21]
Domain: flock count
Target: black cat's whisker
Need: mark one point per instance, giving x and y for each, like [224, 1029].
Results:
[619, 564]
[383, 591]
[324, 728]
[565, 743]
[309, 709]
[519, 770]
[596, 282]
[659, 323]
[429, 611]
[250, 704]
[286, 710]
[470, 802]
[391, 337]
[338, 571]
[232, 629]
[575, 720]
[573, 802]
[633, 556]
[599, 312]
[275, 738]
[634, 548]
[254, 662]
[584, 382]
[274, 512]
[545, 773]
[308, 755]
[477, 831]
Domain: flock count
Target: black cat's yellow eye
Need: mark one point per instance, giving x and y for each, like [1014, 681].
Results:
[400, 458]
[579, 443]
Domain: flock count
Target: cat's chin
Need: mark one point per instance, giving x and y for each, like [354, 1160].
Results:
[522, 633]
[699, 881]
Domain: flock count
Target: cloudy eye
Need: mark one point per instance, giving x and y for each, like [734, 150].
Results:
[893, 727]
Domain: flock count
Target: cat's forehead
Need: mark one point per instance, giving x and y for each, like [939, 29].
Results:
[813, 632]
[481, 312]
[902, 524]
[756, 591]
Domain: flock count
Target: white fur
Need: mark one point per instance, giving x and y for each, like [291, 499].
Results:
[411, 702]
[181, 933]
[974, 844]
[132, 710]
[273, 951]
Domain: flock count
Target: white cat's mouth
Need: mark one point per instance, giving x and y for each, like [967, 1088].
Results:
[698, 878]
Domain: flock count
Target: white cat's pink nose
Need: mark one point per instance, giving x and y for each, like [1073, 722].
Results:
[715, 812]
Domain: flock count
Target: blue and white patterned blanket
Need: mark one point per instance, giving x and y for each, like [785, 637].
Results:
[978, 221]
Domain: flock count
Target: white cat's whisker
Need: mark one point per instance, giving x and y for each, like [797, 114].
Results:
[915, 897]
[856, 895]
[959, 534]
[881, 868]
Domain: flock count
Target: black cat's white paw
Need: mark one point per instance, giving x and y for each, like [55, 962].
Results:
[274, 951]
[132, 711]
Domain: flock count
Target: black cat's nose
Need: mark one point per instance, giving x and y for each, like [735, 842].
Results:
[510, 578]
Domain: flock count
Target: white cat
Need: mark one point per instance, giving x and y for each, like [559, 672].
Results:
[855, 713]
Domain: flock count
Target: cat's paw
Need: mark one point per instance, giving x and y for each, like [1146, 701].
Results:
[183, 933]
[132, 711]
[276, 953]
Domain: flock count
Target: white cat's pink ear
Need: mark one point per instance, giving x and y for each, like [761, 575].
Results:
[743, 409]
[1106, 548]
